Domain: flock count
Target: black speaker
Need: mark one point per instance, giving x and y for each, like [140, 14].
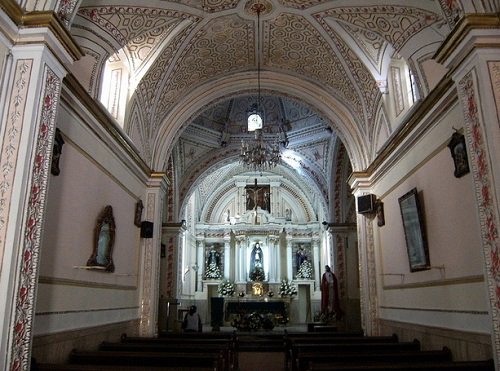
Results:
[147, 230]
[217, 312]
[366, 204]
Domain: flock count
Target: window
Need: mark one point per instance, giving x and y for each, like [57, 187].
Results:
[254, 122]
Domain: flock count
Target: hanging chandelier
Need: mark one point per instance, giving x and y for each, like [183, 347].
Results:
[259, 155]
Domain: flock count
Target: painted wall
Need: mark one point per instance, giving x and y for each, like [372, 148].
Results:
[94, 173]
[451, 295]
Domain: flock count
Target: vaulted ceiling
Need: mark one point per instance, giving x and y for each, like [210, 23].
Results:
[192, 70]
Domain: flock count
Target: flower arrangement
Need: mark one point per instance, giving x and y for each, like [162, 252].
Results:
[287, 289]
[257, 275]
[213, 271]
[305, 270]
[226, 288]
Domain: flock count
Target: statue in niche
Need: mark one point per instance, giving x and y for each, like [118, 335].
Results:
[104, 238]
[300, 256]
[257, 257]
[213, 264]
[257, 263]
[303, 264]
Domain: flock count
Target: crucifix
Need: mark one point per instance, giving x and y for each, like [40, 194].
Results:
[252, 194]
[258, 196]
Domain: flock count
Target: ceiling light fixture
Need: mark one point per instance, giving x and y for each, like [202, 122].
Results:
[258, 154]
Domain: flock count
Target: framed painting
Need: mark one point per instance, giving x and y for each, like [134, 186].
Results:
[414, 229]
[458, 151]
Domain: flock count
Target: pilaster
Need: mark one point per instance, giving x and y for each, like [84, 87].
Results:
[151, 250]
[32, 89]
[472, 54]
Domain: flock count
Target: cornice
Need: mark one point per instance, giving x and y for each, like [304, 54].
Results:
[72, 84]
[41, 19]
[437, 283]
[87, 284]
[461, 31]
[415, 117]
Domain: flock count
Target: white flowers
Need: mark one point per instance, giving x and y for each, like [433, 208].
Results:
[305, 270]
[287, 289]
[226, 288]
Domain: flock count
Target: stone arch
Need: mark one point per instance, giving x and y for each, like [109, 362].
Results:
[316, 97]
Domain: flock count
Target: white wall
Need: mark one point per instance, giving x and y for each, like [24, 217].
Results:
[452, 294]
[94, 173]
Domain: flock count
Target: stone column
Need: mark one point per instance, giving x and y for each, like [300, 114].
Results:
[32, 78]
[275, 196]
[200, 262]
[238, 259]
[273, 259]
[150, 247]
[289, 266]
[227, 254]
[316, 266]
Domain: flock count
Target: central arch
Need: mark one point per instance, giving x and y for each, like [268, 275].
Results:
[312, 95]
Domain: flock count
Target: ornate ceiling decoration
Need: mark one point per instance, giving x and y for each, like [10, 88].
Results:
[181, 47]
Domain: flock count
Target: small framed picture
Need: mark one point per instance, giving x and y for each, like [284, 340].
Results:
[138, 213]
[413, 225]
[459, 154]
[379, 208]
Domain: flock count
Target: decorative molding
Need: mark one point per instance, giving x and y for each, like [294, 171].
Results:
[461, 31]
[494, 69]
[40, 19]
[85, 311]
[485, 195]
[12, 137]
[86, 284]
[476, 312]
[437, 283]
[103, 117]
[147, 272]
[420, 111]
[33, 219]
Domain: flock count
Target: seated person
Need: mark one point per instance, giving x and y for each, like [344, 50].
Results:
[192, 321]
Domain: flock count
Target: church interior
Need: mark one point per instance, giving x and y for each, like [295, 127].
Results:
[227, 154]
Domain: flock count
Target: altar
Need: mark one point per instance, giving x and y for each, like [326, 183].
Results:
[278, 308]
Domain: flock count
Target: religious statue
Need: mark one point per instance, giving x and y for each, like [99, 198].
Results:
[300, 256]
[330, 304]
[258, 196]
[257, 258]
[257, 264]
[213, 265]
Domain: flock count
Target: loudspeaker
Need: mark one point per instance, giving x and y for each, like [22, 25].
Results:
[147, 230]
[217, 312]
[366, 204]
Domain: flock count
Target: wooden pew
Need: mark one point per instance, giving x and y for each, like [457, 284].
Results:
[297, 347]
[215, 360]
[306, 359]
[487, 365]
[199, 342]
[226, 348]
[72, 367]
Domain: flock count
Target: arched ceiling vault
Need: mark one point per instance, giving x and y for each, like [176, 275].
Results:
[332, 54]
[189, 60]
[334, 114]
